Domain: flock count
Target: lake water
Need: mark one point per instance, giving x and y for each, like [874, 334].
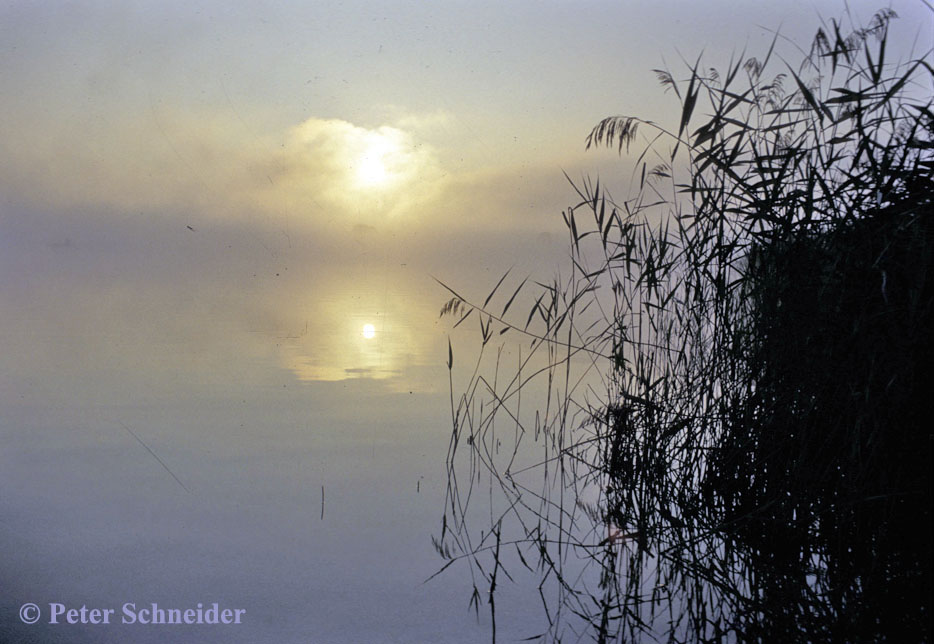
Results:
[173, 401]
[166, 440]
[91, 518]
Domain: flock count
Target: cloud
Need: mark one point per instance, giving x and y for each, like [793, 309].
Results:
[208, 164]
[368, 174]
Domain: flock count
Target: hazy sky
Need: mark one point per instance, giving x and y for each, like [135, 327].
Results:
[329, 156]
[210, 200]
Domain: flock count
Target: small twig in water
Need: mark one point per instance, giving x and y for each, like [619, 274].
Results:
[154, 455]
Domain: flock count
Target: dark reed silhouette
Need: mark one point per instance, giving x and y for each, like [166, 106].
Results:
[732, 441]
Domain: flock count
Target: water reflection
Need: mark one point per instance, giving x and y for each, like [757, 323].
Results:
[356, 332]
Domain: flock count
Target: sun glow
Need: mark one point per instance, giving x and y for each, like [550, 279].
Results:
[369, 331]
[372, 170]
[370, 173]
[373, 165]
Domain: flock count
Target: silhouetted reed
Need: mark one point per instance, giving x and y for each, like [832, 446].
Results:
[732, 440]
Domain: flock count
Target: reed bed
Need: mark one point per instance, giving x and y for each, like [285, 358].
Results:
[729, 435]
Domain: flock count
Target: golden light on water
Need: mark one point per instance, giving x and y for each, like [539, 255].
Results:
[365, 329]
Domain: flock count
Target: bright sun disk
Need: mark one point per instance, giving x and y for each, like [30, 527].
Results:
[369, 331]
[375, 165]
[372, 170]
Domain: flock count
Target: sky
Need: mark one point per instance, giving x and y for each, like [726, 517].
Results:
[299, 166]
[213, 204]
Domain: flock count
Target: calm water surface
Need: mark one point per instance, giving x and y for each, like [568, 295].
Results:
[90, 517]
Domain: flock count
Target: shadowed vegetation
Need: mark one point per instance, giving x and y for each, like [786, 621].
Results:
[732, 437]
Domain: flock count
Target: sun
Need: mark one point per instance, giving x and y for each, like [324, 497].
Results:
[371, 170]
[369, 331]
[377, 164]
